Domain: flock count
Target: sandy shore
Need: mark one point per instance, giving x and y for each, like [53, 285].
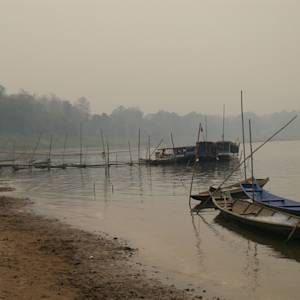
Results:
[42, 258]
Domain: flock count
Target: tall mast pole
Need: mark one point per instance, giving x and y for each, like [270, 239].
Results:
[243, 131]
[251, 151]
[223, 130]
[206, 135]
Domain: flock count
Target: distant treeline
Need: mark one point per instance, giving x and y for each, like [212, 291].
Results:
[23, 116]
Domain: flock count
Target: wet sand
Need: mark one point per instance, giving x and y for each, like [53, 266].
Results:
[42, 258]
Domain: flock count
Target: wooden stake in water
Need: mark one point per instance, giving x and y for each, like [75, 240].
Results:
[35, 148]
[64, 151]
[50, 149]
[49, 154]
[130, 155]
[107, 159]
[149, 153]
[139, 145]
[80, 136]
[243, 132]
[103, 146]
[13, 152]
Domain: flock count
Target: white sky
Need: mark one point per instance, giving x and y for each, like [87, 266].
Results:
[173, 55]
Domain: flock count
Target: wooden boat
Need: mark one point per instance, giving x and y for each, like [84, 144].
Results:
[257, 215]
[258, 194]
[174, 155]
[235, 189]
[227, 150]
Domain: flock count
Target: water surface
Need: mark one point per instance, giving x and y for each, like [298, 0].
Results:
[149, 207]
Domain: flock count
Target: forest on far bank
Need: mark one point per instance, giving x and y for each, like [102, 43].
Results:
[25, 116]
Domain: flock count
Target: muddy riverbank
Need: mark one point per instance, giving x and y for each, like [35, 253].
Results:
[42, 258]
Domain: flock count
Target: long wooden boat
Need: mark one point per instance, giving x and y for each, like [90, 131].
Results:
[257, 215]
[235, 189]
[258, 194]
[174, 155]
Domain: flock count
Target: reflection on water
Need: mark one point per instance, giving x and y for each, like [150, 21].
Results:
[281, 249]
[149, 207]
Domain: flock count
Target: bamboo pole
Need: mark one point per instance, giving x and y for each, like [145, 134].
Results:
[160, 142]
[130, 155]
[223, 127]
[206, 134]
[64, 151]
[50, 148]
[243, 132]
[172, 140]
[251, 151]
[107, 160]
[35, 148]
[258, 148]
[80, 137]
[139, 145]
[149, 148]
[103, 146]
[194, 168]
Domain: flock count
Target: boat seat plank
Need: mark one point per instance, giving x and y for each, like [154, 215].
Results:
[273, 200]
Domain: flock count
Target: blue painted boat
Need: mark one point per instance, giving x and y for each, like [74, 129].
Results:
[258, 194]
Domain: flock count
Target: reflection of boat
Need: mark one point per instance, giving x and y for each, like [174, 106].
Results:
[258, 194]
[235, 189]
[257, 215]
[291, 252]
[44, 164]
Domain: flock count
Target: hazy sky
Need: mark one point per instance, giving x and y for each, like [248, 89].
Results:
[173, 55]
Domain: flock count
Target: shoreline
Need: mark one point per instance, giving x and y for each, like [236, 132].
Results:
[42, 258]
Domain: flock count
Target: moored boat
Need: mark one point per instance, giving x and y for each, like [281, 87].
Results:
[257, 215]
[258, 194]
[163, 156]
[235, 189]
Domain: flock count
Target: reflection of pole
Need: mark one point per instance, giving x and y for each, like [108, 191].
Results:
[243, 131]
[139, 145]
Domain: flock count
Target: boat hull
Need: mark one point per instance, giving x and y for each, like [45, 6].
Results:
[257, 216]
[235, 190]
